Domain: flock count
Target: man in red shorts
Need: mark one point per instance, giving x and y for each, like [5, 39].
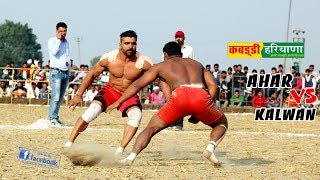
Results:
[186, 79]
[125, 66]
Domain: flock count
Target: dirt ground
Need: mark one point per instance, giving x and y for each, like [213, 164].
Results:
[250, 150]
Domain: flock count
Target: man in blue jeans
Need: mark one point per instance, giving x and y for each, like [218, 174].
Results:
[59, 71]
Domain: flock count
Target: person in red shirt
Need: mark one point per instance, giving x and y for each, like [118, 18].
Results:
[259, 100]
[299, 81]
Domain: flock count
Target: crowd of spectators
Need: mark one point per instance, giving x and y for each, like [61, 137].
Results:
[234, 92]
[31, 81]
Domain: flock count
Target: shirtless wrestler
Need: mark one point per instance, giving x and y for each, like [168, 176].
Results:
[186, 78]
[125, 66]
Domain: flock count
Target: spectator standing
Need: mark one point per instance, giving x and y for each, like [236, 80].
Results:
[308, 81]
[229, 75]
[313, 72]
[216, 72]
[59, 71]
[280, 69]
[239, 80]
[187, 52]
[208, 68]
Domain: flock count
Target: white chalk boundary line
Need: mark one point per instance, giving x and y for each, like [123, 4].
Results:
[43, 124]
[148, 110]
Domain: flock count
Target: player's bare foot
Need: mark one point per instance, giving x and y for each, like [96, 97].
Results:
[126, 162]
[212, 158]
[119, 153]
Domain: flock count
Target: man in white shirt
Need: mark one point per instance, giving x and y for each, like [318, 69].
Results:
[59, 71]
[187, 51]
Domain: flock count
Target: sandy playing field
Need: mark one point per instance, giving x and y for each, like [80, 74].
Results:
[250, 150]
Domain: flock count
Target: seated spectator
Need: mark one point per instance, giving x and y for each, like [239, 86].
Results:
[47, 70]
[5, 91]
[290, 102]
[145, 96]
[72, 91]
[40, 75]
[304, 104]
[97, 80]
[250, 96]
[237, 99]
[14, 72]
[33, 69]
[19, 91]
[223, 99]
[105, 77]
[317, 102]
[273, 101]
[259, 100]
[157, 96]
[44, 91]
[32, 90]
[91, 93]
[79, 70]
[82, 74]
[98, 87]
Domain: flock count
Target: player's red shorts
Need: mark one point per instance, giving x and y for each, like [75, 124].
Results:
[190, 101]
[108, 95]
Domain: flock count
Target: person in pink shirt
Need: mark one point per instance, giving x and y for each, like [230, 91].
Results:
[157, 97]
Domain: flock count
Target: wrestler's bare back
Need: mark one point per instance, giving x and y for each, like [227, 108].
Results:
[179, 71]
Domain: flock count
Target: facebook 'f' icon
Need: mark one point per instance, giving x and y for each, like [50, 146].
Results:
[24, 154]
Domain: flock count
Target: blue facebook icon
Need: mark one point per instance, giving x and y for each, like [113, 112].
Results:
[24, 154]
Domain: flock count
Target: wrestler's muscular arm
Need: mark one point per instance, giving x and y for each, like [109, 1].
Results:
[211, 83]
[96, 70]
[136, 86]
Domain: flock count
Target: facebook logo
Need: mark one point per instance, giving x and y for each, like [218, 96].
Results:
[24, 154]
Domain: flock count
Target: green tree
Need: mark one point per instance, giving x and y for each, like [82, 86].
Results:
[94, 60]
[18, 43]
